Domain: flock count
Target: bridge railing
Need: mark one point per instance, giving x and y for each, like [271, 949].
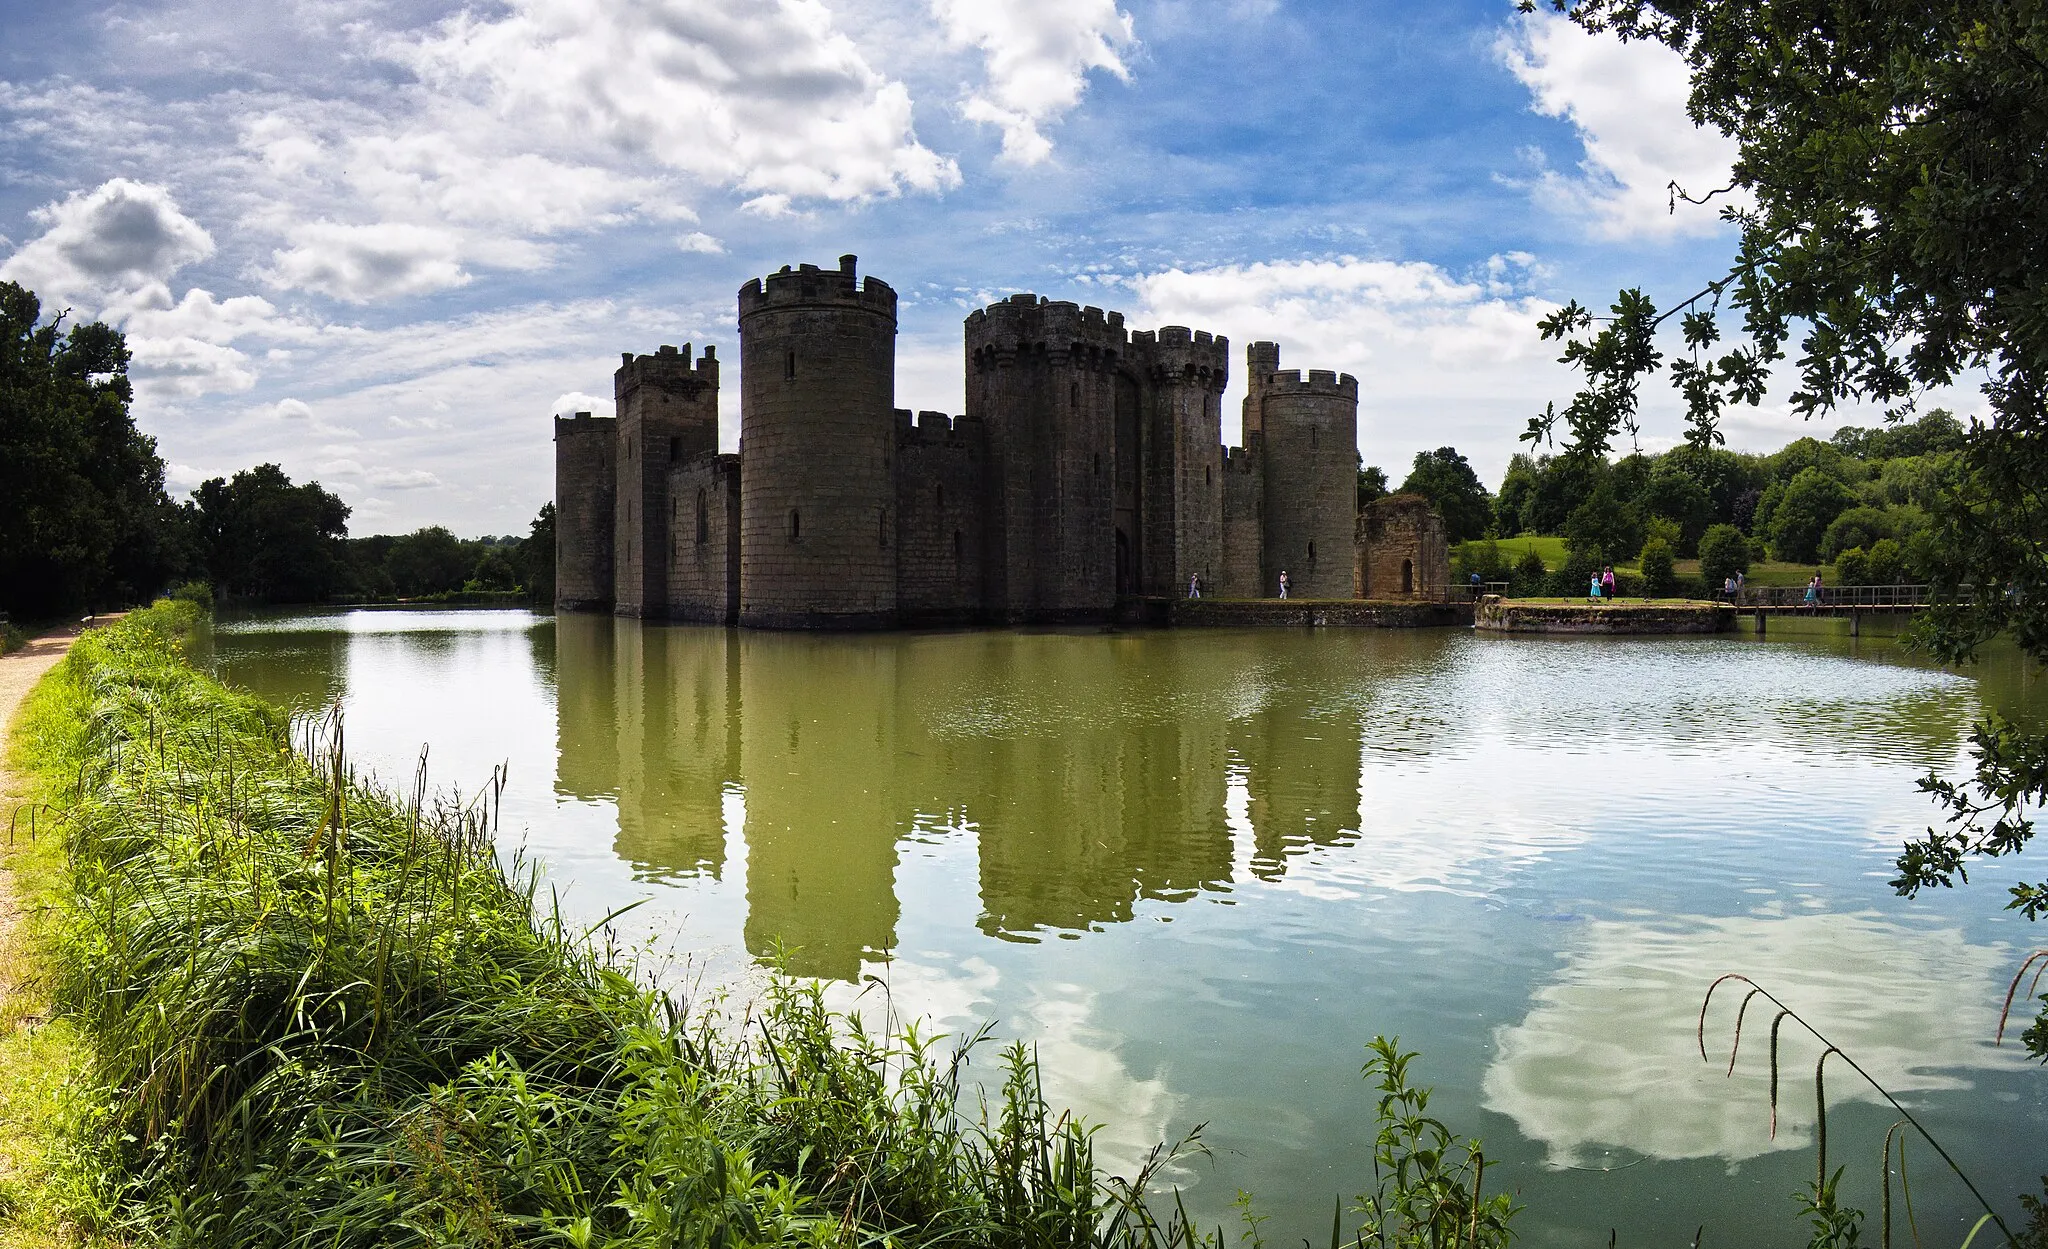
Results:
[1834, 596]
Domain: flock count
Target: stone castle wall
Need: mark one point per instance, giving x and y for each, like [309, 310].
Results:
[1087, 472]
[1400, 550]
[667, 413]
[818, 378]
[586, 484]
[1244, 526]
[939, 476]
[1183, 374]
[1049, 382]
[704, 548]
[1309, 461]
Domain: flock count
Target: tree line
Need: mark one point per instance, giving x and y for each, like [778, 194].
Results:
[86, 521]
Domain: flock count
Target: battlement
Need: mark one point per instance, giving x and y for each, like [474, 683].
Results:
[808, 286]
[668, 368]
[585, 425]
[1176, 353]
[935, 429]
[1057, 326]
[1243, 459]
[1318, 381]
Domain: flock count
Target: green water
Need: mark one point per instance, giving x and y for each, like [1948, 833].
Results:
[1199, 869]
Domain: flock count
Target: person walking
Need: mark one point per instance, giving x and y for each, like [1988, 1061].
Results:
[1283, 583]
[1813, 591]
[1728, 587]
[1593, 589]
[1607, 582]
[1195, 586]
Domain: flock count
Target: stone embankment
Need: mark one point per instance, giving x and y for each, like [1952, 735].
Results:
[1340, 613]
[1503, 615]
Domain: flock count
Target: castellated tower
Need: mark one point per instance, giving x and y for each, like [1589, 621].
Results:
[1062, 413]
[1185, 373]
[586, 483]
[1307, 441]
[667, 414]
[817, 438]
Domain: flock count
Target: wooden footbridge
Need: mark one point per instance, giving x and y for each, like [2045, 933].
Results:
[1850, 602]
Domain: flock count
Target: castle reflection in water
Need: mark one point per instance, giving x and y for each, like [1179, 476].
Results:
[1090, 776]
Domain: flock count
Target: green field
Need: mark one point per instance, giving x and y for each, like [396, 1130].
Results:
[1551, 548]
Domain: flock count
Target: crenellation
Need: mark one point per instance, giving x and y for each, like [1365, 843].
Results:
[1087, 468]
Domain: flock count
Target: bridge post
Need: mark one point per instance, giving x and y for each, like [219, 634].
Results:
[1854, 620]
[1759, 621]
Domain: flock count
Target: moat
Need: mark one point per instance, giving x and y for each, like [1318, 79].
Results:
[1200, 868]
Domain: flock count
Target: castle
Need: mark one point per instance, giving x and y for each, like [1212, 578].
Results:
[1088, 471]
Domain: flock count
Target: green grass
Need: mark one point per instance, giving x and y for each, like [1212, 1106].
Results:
[316, 1014]
[1550, 547]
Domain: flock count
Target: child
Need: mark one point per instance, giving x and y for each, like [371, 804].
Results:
[1593, 589]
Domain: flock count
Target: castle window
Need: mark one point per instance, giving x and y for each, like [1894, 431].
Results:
[1074, 395]
[675, 449]
[789, 367]
[703, 519]
[1098, 463]
[956, 546]
[882, 534]
[941, 496]
[796, 526]
[1311, 551]
[1206, 479]
[1311, 437]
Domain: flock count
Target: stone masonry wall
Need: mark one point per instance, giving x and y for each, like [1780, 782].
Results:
[1401, 550]
[667, 413]
[1244, 526]
[585, 487]
[818, 433]
[938, 519]
[1185, 374]
[704, 540]
[1044, 379]
[1309, 436]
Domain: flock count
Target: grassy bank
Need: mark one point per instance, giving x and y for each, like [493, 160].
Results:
[317, 1015]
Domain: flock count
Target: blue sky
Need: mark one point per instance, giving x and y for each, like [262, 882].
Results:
[380, 241]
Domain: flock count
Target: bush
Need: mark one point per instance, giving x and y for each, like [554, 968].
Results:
[1483, 557]
[1531, 575]
[1859, 527]
[1723, 553]
[1852, 567]
[1887, 562]
[197, 593]
[1656, 565]
[1811, 503]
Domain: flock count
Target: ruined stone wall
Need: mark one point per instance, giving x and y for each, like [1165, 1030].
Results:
[1185, 374]
[667, 413]
[1401, 551]
[1049, 384]
[586, 486]
[1309, 439]
[1244, 527]
[704, 540]
[939, 467]
[818, 434]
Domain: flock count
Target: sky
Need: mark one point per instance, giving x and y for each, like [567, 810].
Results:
[381, 242]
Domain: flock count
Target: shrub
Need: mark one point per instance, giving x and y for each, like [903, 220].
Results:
[1852, 567]
[1656, 565]
[1859, 527]
[1483, 557]
[1531, 575]
[1723, 553]
[197, 593]
[1811, 503]
[1887, 562]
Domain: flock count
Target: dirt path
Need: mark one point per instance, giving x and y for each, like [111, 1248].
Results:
[18, 674]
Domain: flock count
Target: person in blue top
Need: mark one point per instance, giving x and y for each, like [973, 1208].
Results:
[1593, 588]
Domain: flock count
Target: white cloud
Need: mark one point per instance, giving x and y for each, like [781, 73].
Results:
[403, 479]
[116, 237]
[698, 241]
[1627, 102]
[1038, 56]
[293, 410]
[766, 97]
[1439, 360]
[358, 263]
[579, 401]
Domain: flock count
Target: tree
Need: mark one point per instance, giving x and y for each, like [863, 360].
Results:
[1655, 561]
[1858, 527]
[1895, 220]
[1601, 530]
[84, 519]
[429, 561]
[1675, 494]
[537, 554]
[1724, 552]
[1445, 478]
[1810, 504]
[265, 538]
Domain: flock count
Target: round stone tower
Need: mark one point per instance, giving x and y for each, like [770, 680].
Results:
[817, 441]
[1308, 444]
